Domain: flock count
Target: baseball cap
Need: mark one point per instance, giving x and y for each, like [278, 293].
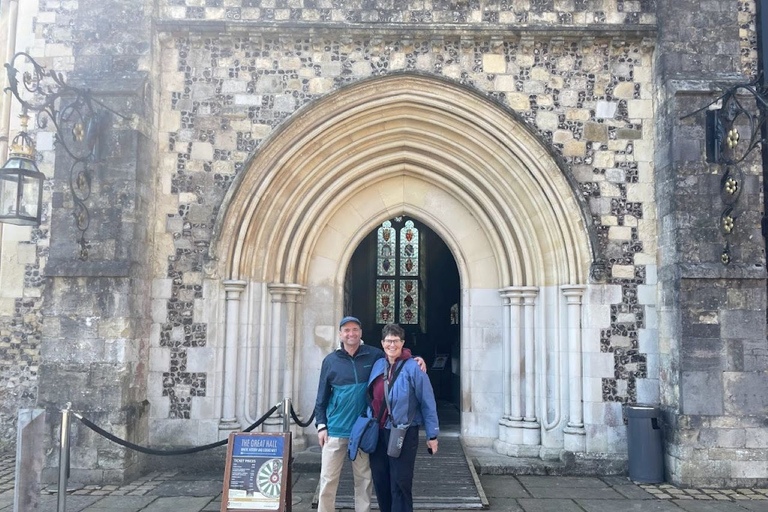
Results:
[348, 319]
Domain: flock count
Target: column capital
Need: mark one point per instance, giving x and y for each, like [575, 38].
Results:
[233, 288]
[286, 292]
[234, 285]
[573, 292]
[510, 291]
[529, 294]
[515, 294]
[511, 296]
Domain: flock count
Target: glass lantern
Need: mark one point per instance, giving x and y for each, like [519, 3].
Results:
[21, 185]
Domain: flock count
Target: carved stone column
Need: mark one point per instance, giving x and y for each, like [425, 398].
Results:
[228, 420]
[512, 427]
[532, 433]
[575, 435]
[273, 361]
[292, 294]
[282, 353]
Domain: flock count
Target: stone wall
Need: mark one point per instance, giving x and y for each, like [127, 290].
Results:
[590, 98]
[84, 321]
[226, 75]
[23, 254]
[473, 12]
[713, 319]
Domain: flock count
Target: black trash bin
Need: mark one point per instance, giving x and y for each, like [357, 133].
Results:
[646, 453]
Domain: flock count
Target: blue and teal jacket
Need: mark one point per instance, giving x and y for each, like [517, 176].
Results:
[341, 392]
[411, 396]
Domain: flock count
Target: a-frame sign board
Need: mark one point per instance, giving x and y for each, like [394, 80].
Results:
[257, 475]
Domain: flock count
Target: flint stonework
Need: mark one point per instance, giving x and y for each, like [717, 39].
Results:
[200, 92]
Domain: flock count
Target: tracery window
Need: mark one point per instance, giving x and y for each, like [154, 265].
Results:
[397, 273]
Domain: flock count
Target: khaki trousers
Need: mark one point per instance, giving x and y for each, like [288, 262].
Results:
[334, 454]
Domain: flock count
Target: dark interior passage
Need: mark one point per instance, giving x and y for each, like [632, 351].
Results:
[432, 316]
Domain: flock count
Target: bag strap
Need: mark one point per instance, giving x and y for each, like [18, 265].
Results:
[386, 391]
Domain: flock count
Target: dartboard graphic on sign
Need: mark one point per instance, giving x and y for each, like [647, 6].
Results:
[254, 480]
[269, 477]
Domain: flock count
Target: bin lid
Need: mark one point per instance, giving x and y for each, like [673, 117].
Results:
[642, 411]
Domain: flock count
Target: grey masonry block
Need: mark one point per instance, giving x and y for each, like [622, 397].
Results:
[754, 355]
[702, 393]
[743, 324]
[702, 354]
[746, 393]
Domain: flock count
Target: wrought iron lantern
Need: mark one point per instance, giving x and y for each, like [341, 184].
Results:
[77, 118]
[21, 182]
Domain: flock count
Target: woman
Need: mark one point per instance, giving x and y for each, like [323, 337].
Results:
[411, 401]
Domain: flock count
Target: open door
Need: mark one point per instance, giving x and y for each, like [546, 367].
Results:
[404, 273]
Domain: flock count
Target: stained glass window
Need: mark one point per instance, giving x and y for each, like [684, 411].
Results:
[386, 250]
[397, 273]
[409, 250]
[409, 301]
[385, 303]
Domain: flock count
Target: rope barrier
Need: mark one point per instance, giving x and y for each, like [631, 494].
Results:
[186, 451]
[298, 421]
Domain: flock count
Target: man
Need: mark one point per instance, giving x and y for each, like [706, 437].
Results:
[340, 400]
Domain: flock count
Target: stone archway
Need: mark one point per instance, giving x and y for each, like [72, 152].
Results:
[417, 146]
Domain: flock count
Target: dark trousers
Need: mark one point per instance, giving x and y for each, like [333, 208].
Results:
[393, 478]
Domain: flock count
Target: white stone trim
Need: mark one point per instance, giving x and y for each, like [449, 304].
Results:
[228, 419]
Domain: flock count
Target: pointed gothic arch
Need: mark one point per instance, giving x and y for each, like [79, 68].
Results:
[464, 165]
[416, 127]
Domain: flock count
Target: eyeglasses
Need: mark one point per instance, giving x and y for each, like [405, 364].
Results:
[392, 342]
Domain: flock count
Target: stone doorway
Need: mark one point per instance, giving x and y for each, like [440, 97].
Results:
[430, 150]
[413, 282]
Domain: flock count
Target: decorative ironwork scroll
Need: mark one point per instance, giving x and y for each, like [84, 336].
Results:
[77, 118]
[734, 131]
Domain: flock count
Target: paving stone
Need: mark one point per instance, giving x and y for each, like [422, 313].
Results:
[627, 506]
[187, 488]
[178, 504]
[575, 493]
[121, 503]
[708, 506]
[506, 504]
[633, 492]
[561, 481]
[502, 486]
[754, 506]
[556, 505]
[74, 503]
[208, 475]
[306, 483]
[614, 481]
[214, 506]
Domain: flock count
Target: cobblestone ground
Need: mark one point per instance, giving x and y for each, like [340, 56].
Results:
[668, 492]
[524, 489]
[151, 481]
[138, 487]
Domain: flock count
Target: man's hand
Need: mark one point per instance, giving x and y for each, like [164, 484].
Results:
[421, 363]
[322, 437]
[432, 446]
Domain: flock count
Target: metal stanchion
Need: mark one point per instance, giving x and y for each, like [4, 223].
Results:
[286, 414]
[64, 459]
[289, 469]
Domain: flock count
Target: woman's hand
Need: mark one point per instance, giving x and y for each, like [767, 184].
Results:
[432, 445]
